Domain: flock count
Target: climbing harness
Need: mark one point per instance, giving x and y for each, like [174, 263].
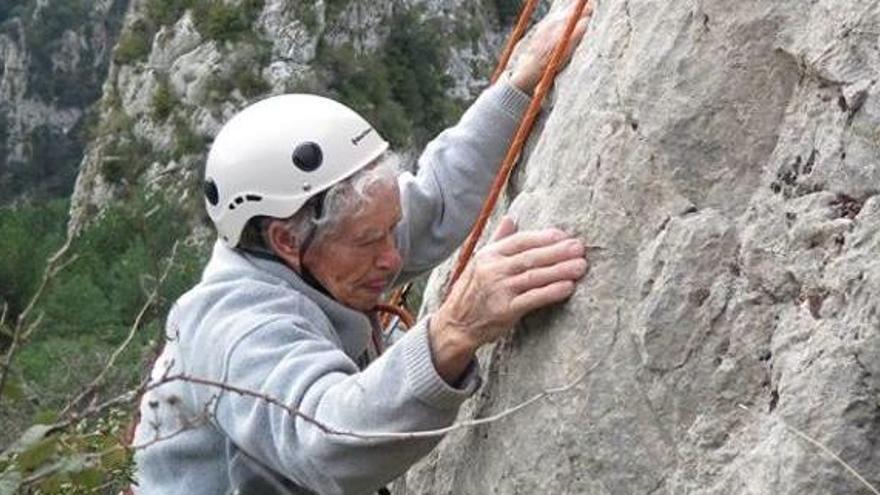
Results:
[395, 305]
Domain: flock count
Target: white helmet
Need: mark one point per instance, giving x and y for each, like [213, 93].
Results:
[276, 154]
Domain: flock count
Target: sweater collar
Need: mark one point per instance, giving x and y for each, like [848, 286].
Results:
[353, 327]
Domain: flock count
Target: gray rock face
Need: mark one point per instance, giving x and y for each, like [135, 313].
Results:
[723, 160]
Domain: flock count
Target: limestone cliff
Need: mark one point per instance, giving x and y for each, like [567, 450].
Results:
[184, 67]
[53, 59]
[723, 160]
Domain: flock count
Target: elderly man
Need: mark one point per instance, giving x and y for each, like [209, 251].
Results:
[315, 224]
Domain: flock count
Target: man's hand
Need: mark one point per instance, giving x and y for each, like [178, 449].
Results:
[532, 55]
[514, 274]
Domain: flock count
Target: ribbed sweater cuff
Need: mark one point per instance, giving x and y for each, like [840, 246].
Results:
[511, 99]
[424, 380]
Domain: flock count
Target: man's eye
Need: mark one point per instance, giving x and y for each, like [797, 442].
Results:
[368, 240]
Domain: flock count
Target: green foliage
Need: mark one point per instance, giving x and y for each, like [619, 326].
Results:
[51, 161]
[136, 41]
[186, 141]
[250, 83]
[12, 8]
[166, 12]
[91, 304]
[416, 59]
[28, 235]
[401, 91]
[306, 14]
[164, 100]
[118, 263]
[334, 7]
[135, 44]
[69, 462]
[362, 82]
[220, 21]
[245, 77]
[44, 39]
[125, 158]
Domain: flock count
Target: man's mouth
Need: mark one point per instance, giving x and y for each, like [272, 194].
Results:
[377, 286]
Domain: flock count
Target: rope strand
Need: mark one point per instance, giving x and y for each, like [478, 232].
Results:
[395, 305]
[518, 143]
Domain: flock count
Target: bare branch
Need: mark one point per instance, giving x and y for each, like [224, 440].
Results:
[22, 329]
[151, 300]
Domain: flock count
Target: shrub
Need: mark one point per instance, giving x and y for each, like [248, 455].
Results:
[28, 234]
[334, 7]
[164, 101]
[117, 265]
[361, 82]
[401, 91]
[416, 57]
[217, 20]
[250, 83]
[135, 44]
[306, 14]
[166, 12]
[125, 158]
[186, 141]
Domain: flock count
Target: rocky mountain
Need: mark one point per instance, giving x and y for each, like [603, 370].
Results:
[184, 67]
[723, 161]
[54, 56]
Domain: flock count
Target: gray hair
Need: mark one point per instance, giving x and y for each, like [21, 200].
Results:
[321, 215]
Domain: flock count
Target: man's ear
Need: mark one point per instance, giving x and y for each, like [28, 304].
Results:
[283, 244]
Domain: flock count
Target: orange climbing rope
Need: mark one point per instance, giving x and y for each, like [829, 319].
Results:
[397, 310]
[394, 306]
[519, 140]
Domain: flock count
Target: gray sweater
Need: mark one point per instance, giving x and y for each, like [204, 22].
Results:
[253, 323]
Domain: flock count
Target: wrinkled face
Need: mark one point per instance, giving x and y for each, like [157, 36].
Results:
[357, 260]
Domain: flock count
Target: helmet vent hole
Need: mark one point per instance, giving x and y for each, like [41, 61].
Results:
[239, 200]
[211, 193]
[308, 157]
[254, 198]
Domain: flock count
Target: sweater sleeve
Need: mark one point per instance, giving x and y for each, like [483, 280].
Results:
[287, 360]
[441, 202]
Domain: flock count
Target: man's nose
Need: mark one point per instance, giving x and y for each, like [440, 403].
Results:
[389, 258]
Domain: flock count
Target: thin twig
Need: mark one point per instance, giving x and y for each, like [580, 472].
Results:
[22, 329]
[5, 331]
[132, 331]
[822, 448]
[31, 327]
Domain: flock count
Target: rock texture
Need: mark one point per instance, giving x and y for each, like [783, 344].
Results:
[723, 161]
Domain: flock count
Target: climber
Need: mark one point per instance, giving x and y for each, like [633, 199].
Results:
[315, 223]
